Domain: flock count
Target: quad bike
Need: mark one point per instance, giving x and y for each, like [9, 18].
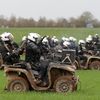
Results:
[91, 62]
[61, 77]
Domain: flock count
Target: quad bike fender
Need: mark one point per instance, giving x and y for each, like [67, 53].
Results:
[70, 68]
[13, 72]
[77, 64]
[91, 58]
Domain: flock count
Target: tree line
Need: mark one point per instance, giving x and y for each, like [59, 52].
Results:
[86, 19]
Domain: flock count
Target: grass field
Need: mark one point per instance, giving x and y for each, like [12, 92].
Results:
[90, 80]
[79, 33]
[88, 90]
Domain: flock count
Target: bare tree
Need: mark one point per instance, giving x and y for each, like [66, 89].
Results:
[86, 18]
[12, 21]
[62, 22]
[42, 22]
[72, 22]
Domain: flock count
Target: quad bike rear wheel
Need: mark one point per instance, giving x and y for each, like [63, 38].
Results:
[64, 84]
[18, 84]
[95, 65]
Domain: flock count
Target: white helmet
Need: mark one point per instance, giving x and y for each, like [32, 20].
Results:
[23, 38]
[54, 37]
[81, 42]
[64, 38]
[45, 40]
[6, 36]
[33, 36]
[90, 36]
[66, 44]
[71, 38]
[96, 35]
[89, 39]
[74, 39]
[55, 40]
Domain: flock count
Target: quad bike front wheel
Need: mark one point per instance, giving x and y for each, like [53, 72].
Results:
[64, 84]
[95, 65]
[18, 84]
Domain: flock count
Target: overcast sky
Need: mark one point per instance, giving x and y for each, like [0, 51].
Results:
[49, 8]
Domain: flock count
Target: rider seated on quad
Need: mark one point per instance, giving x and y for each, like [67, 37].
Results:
[81, 52]
[44, 46]
[96, 44]
[71, 44]
[53, 42]
[33, 54]
[89, 44]
[96, 38]
[7, 46]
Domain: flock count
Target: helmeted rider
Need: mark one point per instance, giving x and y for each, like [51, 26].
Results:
[32, 50]
[96, 38]
[81, 51]
[89, 43]
[72, 41]
[45, 47]
[53, 42]
[66, 45]
[7, 47]
[96, 41]
[33, 54]
[82, 48]
[62, 40]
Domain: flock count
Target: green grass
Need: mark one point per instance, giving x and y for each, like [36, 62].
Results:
[79, 33]
[88, 90]
[90, 80]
